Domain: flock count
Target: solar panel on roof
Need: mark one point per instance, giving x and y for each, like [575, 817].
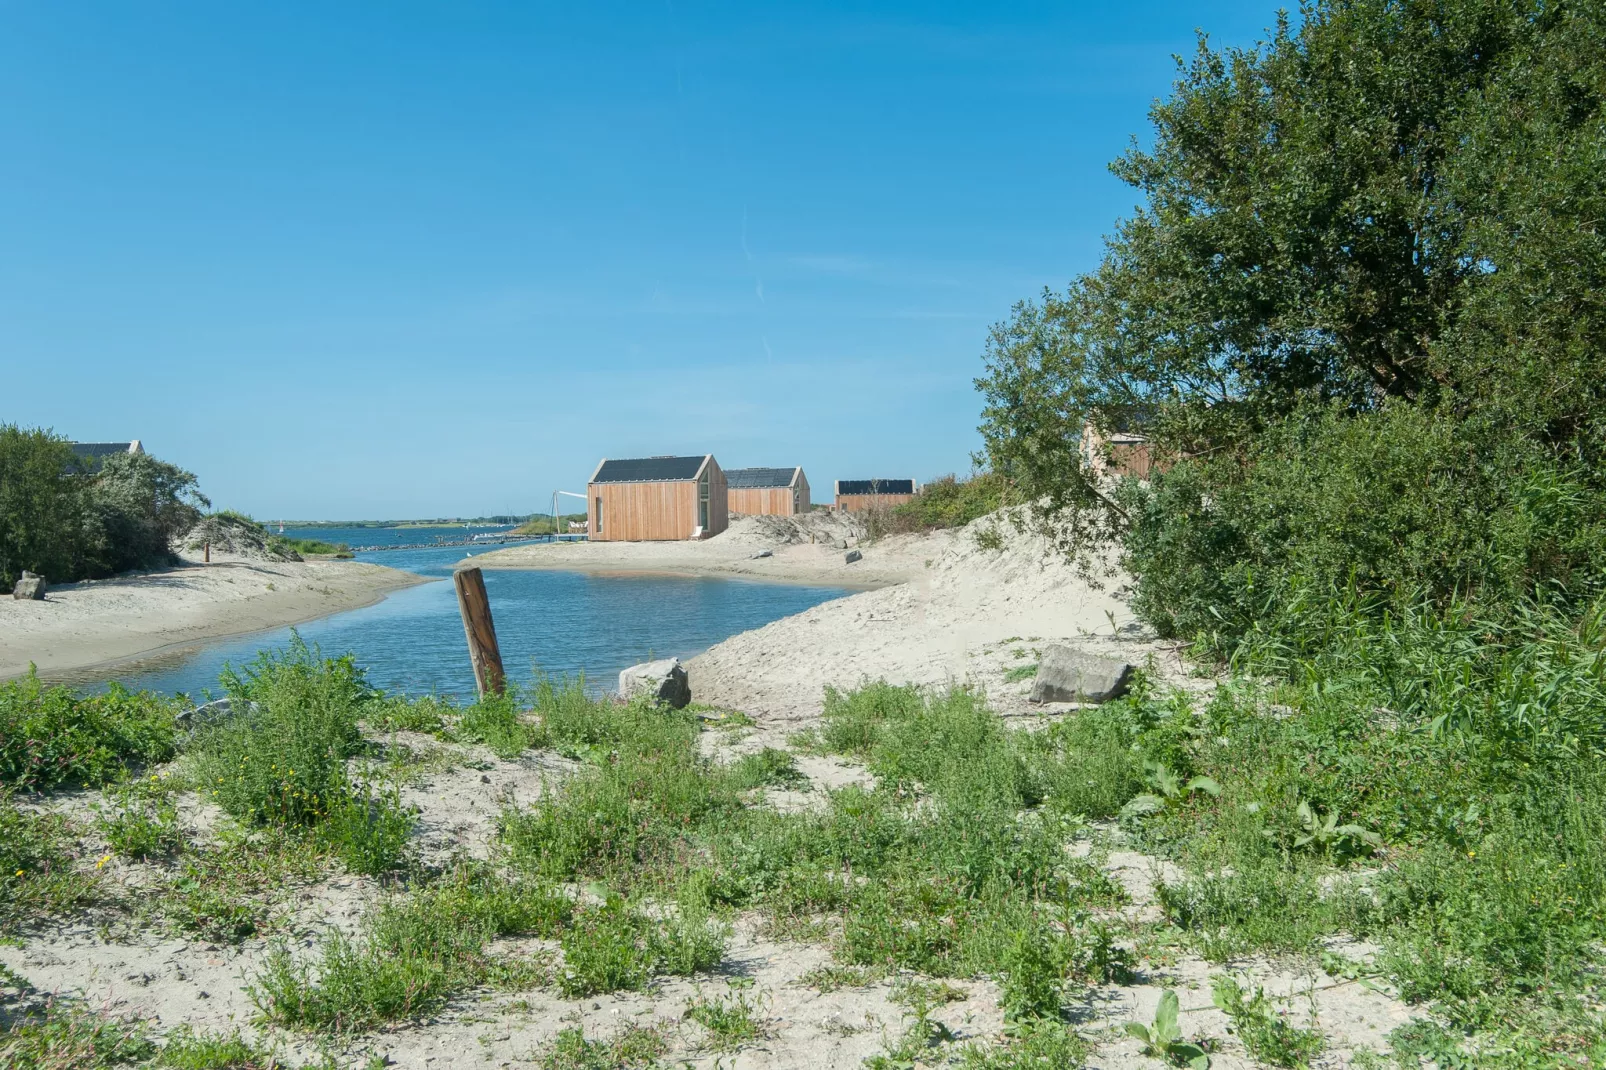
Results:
[875, 486]
[754, 478]
[648, 469]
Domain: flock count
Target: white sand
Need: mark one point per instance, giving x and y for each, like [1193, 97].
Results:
[102, 622]
[802, 550]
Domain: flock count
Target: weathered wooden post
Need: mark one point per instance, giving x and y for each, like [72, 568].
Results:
[483, 652]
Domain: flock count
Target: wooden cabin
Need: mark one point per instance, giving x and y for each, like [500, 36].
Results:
[860, 495]
[1119, 453]
[647, 499]
[768, 491]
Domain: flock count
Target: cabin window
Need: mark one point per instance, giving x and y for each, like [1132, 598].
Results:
[599, 514]
[702, 502]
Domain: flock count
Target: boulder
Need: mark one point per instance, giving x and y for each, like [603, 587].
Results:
[1067, 675]
[852, 556]
[209, 713]
[30, 587]
[664, 680]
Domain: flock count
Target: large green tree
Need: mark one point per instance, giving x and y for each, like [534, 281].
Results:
[1386, 202]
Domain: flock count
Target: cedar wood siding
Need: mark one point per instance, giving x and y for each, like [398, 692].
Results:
[771, 501]
[656, 511]
[858, 503]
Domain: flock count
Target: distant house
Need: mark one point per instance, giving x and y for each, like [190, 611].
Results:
[768, 491]
[1118, 453]
[858, 495]
[657, 498]
[94, 454]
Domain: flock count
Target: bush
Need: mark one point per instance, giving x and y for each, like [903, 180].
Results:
[1399, 502]
[282, 758]
[947, 502]
[51, 735]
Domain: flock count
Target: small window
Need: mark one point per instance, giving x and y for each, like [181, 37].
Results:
[599, 514]
[702, 502]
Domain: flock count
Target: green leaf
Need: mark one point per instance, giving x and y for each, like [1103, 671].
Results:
[1136, 1030]
[1204, 784]
[1142, 805]
[1165, 1018]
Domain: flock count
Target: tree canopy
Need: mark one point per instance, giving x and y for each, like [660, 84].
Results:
[1389, 200]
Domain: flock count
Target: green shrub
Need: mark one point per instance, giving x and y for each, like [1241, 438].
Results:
[949, 502]
[281, 758]
[1396, 502]
[140, 827]
[369, 830]
[497, 722]
[51, 736]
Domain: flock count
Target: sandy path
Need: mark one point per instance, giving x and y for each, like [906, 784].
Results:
[101, 622]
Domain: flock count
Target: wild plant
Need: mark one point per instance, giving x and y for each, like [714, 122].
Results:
[1163, 1038]
[1269, 1037]
[37, 874]
[51, 736]
[632, 1048]
[1166, 790]
[728, 1022]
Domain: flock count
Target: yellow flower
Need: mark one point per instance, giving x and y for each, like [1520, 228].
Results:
[19, 872]
[103, 860]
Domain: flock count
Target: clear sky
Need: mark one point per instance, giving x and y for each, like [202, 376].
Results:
[397, 259]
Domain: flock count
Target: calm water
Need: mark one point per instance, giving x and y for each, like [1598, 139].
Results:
[559, 622]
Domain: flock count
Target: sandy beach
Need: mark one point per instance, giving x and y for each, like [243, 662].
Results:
[934, 609]
[804, 549]
[104, 622]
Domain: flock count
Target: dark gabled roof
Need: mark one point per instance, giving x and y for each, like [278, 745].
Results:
[875, 486]
[94, 454]
[755, 478]
[649, 469]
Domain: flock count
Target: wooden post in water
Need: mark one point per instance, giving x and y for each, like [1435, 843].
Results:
[483, 652]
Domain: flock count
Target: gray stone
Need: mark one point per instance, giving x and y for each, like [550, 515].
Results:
[209, 713]
[852, 556]
[841, 544]
[1067, 675]
[763, 553]
[664, 680]
[31, 587]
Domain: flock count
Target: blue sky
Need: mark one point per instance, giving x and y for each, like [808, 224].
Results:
[401, 259]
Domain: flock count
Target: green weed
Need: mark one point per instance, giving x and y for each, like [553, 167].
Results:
[1163, 1039]
[51, 736]
[37, 875]
[728, 1023]
[632, 1048]
[411, 955]
[1269, 1038]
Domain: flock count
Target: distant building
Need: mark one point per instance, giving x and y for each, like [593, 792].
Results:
[1118, 453]
[94, 454]
[768, 491]
[656, 499]
[858, 495]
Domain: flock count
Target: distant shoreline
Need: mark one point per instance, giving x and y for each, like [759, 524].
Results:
[103, 624]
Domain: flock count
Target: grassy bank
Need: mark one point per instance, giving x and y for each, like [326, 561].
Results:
[1431, 788]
